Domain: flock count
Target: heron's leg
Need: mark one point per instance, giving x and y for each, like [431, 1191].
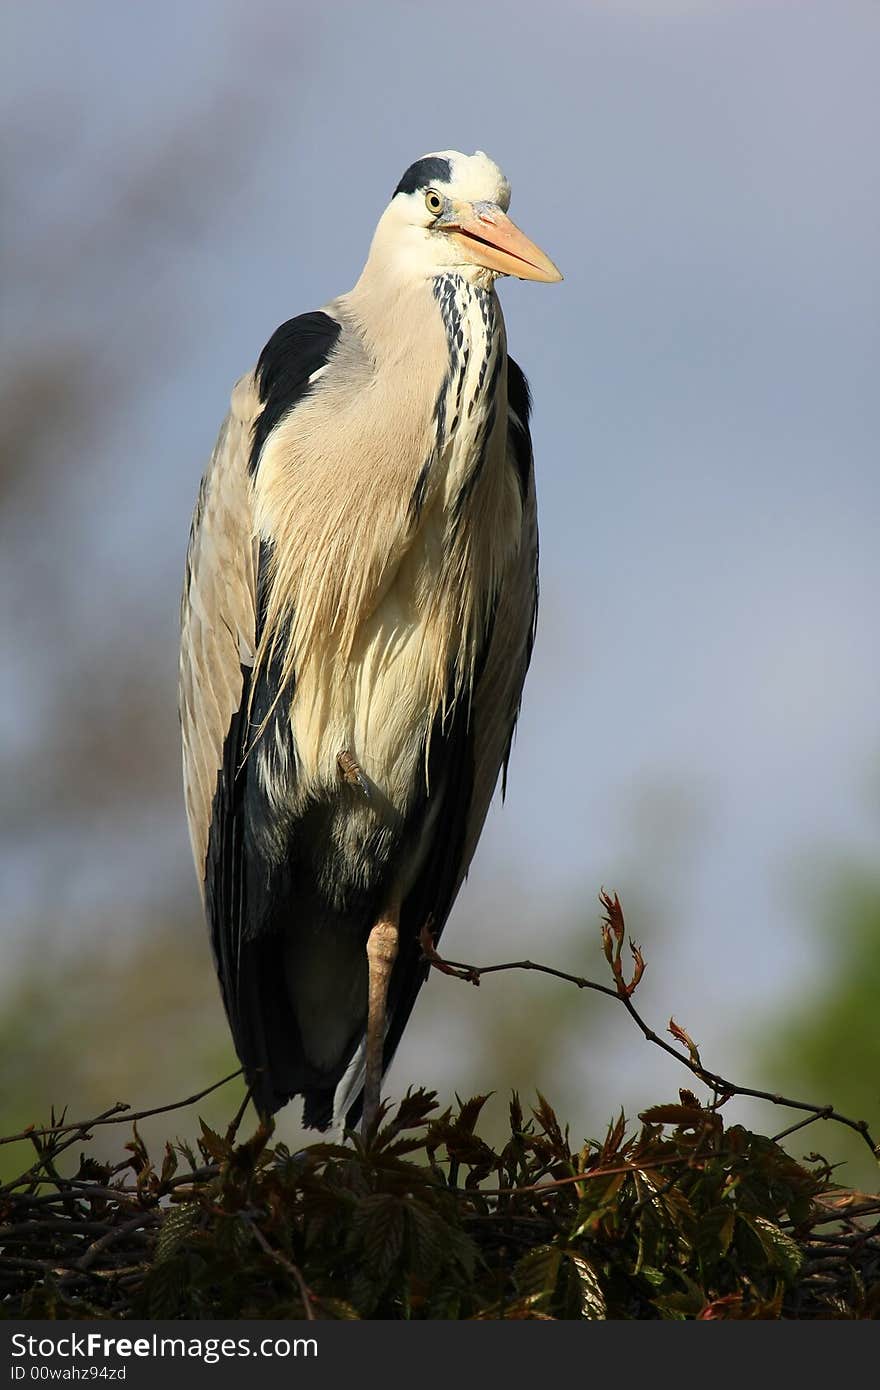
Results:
[381, 955]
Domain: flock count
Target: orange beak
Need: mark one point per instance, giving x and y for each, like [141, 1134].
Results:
[490, 239]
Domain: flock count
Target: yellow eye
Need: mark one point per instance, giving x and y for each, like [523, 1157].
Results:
[433, 202]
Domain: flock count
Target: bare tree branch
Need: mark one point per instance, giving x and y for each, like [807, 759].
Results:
[121, 1113]
[613, 936]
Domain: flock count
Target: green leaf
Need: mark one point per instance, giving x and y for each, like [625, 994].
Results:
[714, 1233]
[425, 1237]
[177, 1227]
[379, 1223]
[655, 1277]
[536, 1273]
[589, 1284]
[782, 1252]
[339, 1309]
[685, 1304]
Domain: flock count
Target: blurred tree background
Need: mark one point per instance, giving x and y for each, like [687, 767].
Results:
[829, 1045]
[703, 696]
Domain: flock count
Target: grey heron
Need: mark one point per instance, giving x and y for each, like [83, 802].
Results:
[358, 615]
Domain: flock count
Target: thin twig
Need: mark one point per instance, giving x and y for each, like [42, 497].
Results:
[80, 1189]
[44, 1266]
[232, 1128]
[48, 1224]
[613, 932]
[589, 1176]
[729, 1088]
[293, 1270]
[825, 1114]
[110, 1237]
[120, 1113]
[472, 974]
[83, 1189]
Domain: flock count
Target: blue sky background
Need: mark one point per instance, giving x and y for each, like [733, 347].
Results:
[700, 726]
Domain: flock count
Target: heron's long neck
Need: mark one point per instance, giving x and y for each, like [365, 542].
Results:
[438, 352]
[468, 402]
[397, 320]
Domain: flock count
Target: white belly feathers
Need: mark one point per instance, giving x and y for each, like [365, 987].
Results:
[415, 591]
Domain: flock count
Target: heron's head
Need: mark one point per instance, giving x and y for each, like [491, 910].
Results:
[449, 213]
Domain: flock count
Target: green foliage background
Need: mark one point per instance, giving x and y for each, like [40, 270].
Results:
[830, 1046]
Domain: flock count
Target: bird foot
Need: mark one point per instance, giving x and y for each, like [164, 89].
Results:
[353, 773]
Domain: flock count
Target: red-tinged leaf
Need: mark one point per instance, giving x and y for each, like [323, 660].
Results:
[547, 1119]
[613, 914]
[638, 967]
[724, 1308]
[607, 944]
[211, 1143]
[682, 1115]
[397, 1148]
[414, 1109]
[169, 1164]
[469, 1113]
[140, 1159]
[514, 1312]
[613, 1140]
[317, 1153]
[516, 1114]
[681, 1036]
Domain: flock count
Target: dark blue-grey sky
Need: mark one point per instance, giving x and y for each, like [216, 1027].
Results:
[702, 709]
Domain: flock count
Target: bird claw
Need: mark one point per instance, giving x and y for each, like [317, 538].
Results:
[353, 773]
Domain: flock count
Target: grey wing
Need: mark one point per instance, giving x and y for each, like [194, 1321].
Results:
[218, 617]
[256, 899]
[498, 692]
[249, 912]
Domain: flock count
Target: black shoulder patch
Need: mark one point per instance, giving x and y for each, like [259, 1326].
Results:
[519, 400]
[296, 350]
[426, 171]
